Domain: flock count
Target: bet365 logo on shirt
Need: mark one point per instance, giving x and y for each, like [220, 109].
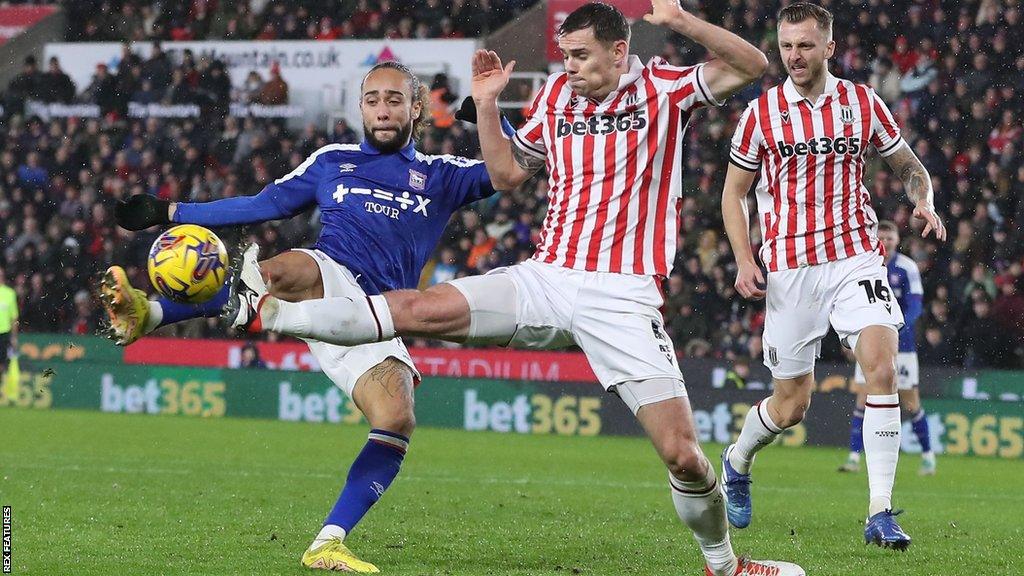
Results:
[602, 125]
[823, 145]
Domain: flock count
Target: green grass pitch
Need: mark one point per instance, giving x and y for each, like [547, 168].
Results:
[110, 494]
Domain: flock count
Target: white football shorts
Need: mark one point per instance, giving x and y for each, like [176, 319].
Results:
[345, 364]
[850, 294]
[614, 318]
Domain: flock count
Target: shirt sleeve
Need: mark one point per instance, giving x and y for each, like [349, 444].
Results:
[885, 133]
[469, 178]
[685, 83]
[530, 136]
[747, 147]
[282, 198]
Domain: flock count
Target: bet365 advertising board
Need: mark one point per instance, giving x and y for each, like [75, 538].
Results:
[975, 413]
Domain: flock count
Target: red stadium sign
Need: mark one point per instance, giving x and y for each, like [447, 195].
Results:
[16, 19]
[443, 362]
[559, 9]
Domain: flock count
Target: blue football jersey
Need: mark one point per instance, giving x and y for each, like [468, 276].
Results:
[382, 214]
[905, 281]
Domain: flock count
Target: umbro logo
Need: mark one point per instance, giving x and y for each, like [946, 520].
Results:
[345, 168]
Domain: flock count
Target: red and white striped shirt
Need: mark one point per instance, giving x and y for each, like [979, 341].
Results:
[614, 167]
[811, 200]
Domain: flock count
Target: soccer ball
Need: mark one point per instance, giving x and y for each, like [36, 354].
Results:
[188, 264]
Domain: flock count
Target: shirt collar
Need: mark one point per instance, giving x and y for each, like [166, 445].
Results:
[409, 152]
[792, 96]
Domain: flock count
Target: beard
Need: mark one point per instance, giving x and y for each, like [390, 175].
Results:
[392, 145]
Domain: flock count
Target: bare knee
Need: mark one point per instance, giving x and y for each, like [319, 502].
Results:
[685, 460]
[880, 375]
[292, 276]
[424, 309]
[440, 311]
[398, 417]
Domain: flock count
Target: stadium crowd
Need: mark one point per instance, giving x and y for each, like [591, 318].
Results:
[128, 20]
[952, 73]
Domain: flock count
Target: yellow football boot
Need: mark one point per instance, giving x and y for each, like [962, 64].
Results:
[334, 555]
[127, 307]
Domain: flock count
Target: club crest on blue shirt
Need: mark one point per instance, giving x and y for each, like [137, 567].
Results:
[417, 180]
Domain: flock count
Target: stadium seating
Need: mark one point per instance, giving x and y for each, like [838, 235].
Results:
[952, 74]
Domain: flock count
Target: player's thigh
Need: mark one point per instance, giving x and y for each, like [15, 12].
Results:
[384, 394]
[294, 275]
[521, 306]
[862, 297]
[796, 320]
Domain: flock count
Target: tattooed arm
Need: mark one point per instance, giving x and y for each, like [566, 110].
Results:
[918, 185]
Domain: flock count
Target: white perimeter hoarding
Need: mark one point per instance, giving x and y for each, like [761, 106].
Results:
[323, 76]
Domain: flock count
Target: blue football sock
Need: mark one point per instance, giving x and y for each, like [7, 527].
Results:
[177, 312]
[370, 475]
[857, 431]
[920, 425]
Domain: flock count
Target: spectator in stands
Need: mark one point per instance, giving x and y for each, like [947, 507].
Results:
[343, 133]
[157, 68]
[102, 91]
[984, 346]
[55, 85]
[275, 90]
[251, 357]
[32, 174]
[26, 85]
[935, 350]
[215, 87]
[442, 100]
[84, 319]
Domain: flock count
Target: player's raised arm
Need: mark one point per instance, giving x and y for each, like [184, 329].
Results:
[918, 185]
[282, 198]
[738, 62]
[507, 165]
[749, 280]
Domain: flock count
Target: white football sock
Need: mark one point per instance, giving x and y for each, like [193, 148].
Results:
[758, 431]
[881, 448]
[854, 457]
[343, 321]
[701, 506]
[153, 318]
[328, 532]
